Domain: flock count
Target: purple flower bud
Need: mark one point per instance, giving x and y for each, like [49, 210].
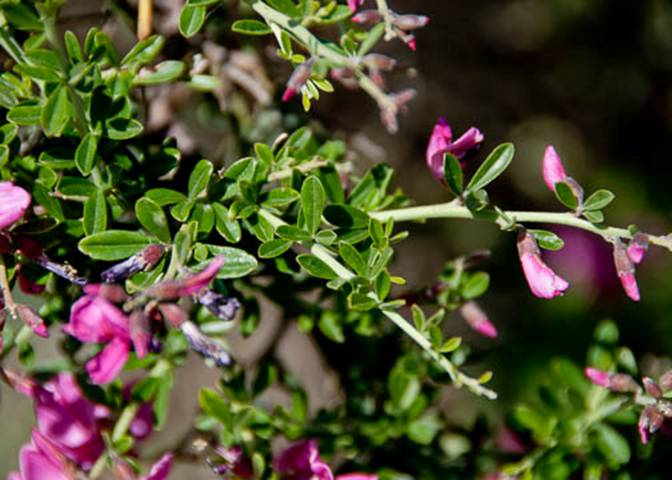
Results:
[379, 61]
[597, 377]
[223, 307]
[552, 168]
[478, 320]
[637, 248]
[140, 334]
[367, 17]
[649, 422]
[108, 291]
[543, 282]
[139, 262]
[173, 314]
[206, 346]
[410, 22]
[665, 381]
[622, 383]
[298, 79]
[33, 320]
[625, 270]
[652, 387]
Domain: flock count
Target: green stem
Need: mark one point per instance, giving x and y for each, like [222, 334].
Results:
[451, 210]
[124, 421]
[387, 18]
[98, 467]
[458, 378]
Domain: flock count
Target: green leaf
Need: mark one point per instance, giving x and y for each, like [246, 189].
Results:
[594, 216]
[452, 173]
[612, 444]
[164, 72]
[346, 216]
[332, 328]
[251, 27]
[56, 112]
[492, 167]
[73, 48]
[353, 258]
[279, 197]
[205, 83]
[123, 128]
[153, 219]
[566, 196]
[598, 200]
[287, 7]
[371, 189]
[274, 248]
[316, 267]
[261, 228]
[25, 114]
[165, 196]
[312, 203]
[191, 20]
[95, 213]
[237, 262]
[144, 51]
[227, 228]
[85, 155]
[423, 430]
[51, 204]
[372, 37]
[113, 245]
[291, 232]
[548, 240]
[200, 178]
[476, 285]
[214, 405]
[450, 345]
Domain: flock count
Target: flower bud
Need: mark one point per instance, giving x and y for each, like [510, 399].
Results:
[652, 387]
[354, 5]
[478, 320]
[141, 261]
[346, 76]
[649, 422]
[173, 314]
[637, 248]
[625, 270]
[543, 281]
[379, 61]
[298, 79]
[410, 22]
[33, 320]
[597, 377]
[367, 17]
[140, 333]
[616, 382]
[206, 346]
[552, 168]
[223, 307]
[109, 291]
[665, 381]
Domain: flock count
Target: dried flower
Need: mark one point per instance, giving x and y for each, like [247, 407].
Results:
[204, 345]
[141, 261]
[441, 142]
[14, 202]
[543, 282]
[223, 307]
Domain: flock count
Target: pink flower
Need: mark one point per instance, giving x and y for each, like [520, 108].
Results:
[440, 143]
[478, 320]
[354, 5]
[543, 282]
[553, 170]
[94, 319]
[625, 269]
[301, 461]
[161, 468]
[42, 460]
[173, 289]
[69, 420]
[637, 248]
[650, 422]
[597, 377]
[357, 476]
[14, 202]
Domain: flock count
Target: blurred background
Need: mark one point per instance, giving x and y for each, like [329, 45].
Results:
[592, 77]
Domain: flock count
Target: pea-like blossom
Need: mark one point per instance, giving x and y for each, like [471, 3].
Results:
[637, 248]
[357, 476]
[552, 168]
[161, 469]
[14, 202]
[616, 382]
[93, 319]
[625, 269]
[191, 285]
[302, 461]
[650, 422]
[441, 142]
[41, 459]
[542, 280]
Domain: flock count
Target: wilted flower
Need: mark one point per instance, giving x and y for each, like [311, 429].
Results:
[478, 320]
[204, 345]
[625, 270]
[221, 306]
[543, 282]
[141, 261]
[301, 461]
[441, 142]
[14, 202]
[95, 320]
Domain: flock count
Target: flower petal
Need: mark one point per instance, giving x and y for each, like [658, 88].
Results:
[13, 203]
[104, 367]
[552, 168]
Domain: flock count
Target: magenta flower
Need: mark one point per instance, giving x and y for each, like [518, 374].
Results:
[625, 269]
[597, 377]
[42, 460]
[14, 202]
[441, 142]
[650, 422]
[354, 5]
[160, 469]
[357, 476]
[553, 170]
[478, 320]
[232, 461]
[543, 282]
[69, 420]
[93, 319]
[301, 461]
[637, 248]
